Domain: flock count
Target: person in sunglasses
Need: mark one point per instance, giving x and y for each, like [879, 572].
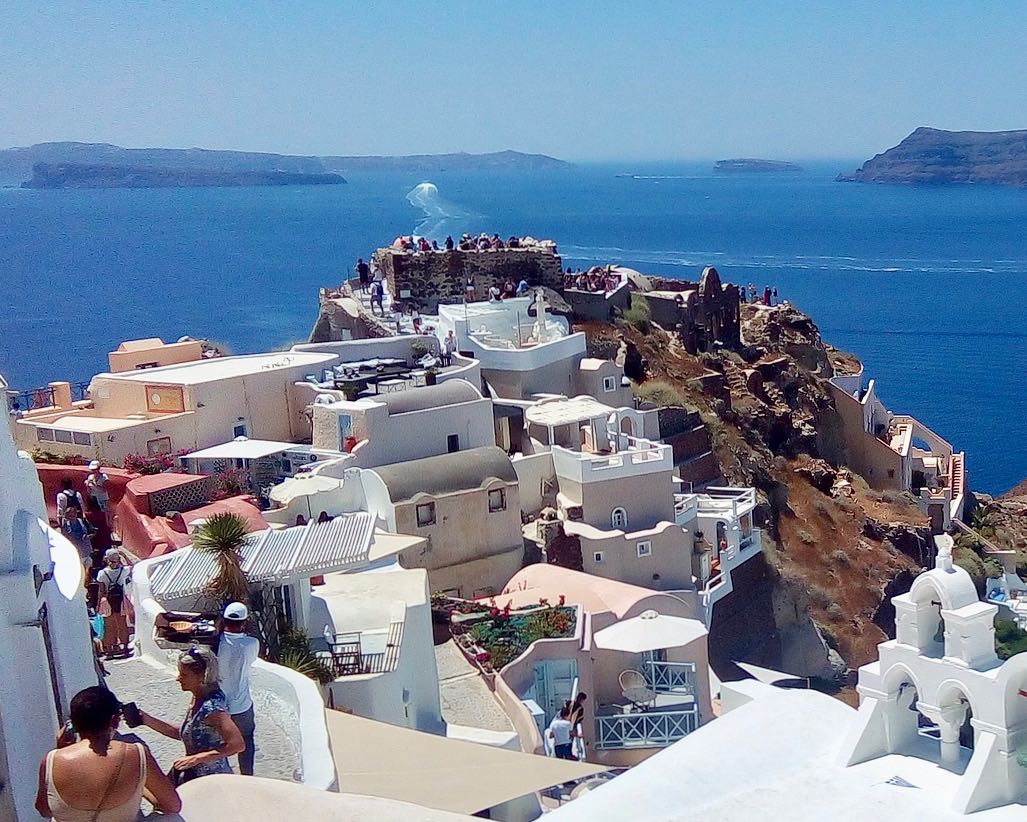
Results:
[208, 732]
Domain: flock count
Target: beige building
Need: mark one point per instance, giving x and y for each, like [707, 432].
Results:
[673, 681]
[166, 409]
[466, 505]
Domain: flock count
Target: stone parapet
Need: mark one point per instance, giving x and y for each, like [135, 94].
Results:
[428, 278]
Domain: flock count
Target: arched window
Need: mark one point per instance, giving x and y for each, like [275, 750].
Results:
[619, 518]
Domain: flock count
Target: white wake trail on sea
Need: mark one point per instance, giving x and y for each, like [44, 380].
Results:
[441, 217]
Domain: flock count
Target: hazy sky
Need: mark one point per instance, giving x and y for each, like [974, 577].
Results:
[580, 80]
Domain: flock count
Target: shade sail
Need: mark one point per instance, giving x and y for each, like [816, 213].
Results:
[649, 631]
[378, 759]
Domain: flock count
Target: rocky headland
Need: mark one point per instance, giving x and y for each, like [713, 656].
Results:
[750, 166]
[77, 175]
[933, 156]
[17, 165]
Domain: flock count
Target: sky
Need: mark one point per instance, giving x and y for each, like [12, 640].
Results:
[579, 80]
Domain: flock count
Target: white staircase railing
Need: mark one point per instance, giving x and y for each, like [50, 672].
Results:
[648, 729]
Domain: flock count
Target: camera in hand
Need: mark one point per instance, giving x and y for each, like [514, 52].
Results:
[132, 716]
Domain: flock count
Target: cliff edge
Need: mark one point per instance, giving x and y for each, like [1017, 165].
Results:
[937, 157]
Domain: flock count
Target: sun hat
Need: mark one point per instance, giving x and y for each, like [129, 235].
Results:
[111, 552]
[95, 464]
[236, 611]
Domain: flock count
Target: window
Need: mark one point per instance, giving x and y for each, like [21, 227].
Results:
[239, 430]
[453, 443]
[161, 445]
[497, 500]
[345, 427]
[81, 438]
[425, 514]
[644, 549]
[609, 384]
[598, 556]
[619, 518]
[44, 434]
[891, 473]
[63, 436]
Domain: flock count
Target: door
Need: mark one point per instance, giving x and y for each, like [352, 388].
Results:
[554, 685]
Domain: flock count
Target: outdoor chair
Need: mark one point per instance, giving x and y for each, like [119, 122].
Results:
[635, 689]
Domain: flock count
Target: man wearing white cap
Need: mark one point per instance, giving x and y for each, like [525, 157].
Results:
[237, 651]
[96, 487]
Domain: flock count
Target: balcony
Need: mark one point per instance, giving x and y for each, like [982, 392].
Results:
[670, 677]
[634, 457]
[648, 729]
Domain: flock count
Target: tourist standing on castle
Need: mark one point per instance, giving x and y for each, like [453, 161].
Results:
[363, 273]
[237, 651]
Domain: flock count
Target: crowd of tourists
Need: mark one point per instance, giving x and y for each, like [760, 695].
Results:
[749, 294]
[97, 773]
[468, 242]
[595, 279]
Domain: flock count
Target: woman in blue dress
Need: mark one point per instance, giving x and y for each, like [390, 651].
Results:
[208, 732]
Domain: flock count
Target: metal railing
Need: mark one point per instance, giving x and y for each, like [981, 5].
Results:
[649, 729]
[30, 400]
[670, 677]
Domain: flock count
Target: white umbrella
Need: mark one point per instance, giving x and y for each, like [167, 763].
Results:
[310, 486]
[649, 631]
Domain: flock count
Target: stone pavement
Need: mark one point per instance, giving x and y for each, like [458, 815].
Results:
[466, 699]
[154, 689]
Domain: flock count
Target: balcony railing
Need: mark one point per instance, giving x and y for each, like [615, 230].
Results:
[670, 677]
[649, 729]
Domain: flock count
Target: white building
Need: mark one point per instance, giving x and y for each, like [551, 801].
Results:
[939, 734]
[46, 654]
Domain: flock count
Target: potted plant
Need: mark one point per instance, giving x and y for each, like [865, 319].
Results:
[431, 376]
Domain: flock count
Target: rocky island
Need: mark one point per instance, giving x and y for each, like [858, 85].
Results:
[101, 165]
[750, 166]
[934, 156]
[78, 175]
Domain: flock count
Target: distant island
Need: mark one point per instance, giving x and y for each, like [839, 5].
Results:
[91, 165]
[80, 175]
[748, 165]
[934, 156]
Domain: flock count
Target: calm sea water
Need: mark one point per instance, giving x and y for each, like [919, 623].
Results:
[926, 285]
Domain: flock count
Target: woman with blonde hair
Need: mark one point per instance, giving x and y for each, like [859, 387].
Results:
[208, 732]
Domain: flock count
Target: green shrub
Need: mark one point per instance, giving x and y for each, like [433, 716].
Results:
[637, 314]
[660, 393]
[1009, 638]
[974, 566]
[835, 612]
[807, 538]
[840, 557]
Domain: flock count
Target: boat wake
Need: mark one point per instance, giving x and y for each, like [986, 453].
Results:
[441, 217]
[695, 259]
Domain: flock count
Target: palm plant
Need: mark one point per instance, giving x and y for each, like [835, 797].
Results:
[223, 536]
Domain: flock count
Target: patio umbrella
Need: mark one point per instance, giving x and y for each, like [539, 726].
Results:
[649, 631]
[304, 485]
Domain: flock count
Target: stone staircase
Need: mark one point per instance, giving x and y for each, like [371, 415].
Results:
[736, 382]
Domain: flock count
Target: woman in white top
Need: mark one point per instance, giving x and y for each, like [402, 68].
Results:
[99, 779]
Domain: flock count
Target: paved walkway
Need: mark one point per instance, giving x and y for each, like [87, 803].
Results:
[155, 690]
[466, 699]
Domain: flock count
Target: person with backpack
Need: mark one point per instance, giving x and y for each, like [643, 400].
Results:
[77, 529]
[377, 295]
[112, 580]
[66, 498]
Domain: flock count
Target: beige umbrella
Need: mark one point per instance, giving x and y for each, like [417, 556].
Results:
[650, 631]
[304, 485]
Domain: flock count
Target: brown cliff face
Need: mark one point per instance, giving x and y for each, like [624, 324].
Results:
[832, 544]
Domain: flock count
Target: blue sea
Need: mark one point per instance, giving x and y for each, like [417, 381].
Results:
[925, 285]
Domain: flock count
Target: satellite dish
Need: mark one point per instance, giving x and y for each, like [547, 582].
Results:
[67, 569]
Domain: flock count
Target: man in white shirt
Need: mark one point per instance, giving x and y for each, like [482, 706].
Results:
[237, 651]
[68, 497]
[560, 730]
[96, 487]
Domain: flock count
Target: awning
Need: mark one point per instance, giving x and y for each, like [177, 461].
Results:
[768, 675]
[340, 544]
[240, 449]
[649, 631]
[378, 759]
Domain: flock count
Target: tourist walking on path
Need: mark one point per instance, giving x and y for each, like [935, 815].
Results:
[66, 497]
[80, 532]
[112, 580]
[377, 297]
[559, 731]
[237, 651]
[91, 776]
[363, 273]
[208, 733]
[96, 486]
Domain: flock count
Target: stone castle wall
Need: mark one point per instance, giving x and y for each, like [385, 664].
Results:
[440, 276]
